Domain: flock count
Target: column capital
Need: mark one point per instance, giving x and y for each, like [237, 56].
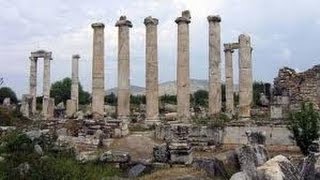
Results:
[123, 22]
[32, 58]
[76, 56]
[228, 47]
[185, 18]
[97, 25]
[214, 18]
[244, 39]
[150, 21]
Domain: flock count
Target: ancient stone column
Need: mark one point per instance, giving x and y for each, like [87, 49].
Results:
[75, 80]
[214, 65]
[123, 108]
[33, 84]
[46, 84]
[245, 76]
[152, 109]
[183, 84]
[98, 71]
[229, 79]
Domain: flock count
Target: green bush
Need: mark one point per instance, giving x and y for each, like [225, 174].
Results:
[304, 126]
[17, 148]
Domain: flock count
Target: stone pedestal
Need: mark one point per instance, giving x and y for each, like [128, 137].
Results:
[214, 65]
[183, 81]
[98, 71]
[229, 80]
[245, 76]
[123, 108]
[152, 109]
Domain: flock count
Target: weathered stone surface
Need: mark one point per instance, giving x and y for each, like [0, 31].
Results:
[307, 169]
[98, 71]
[240, 176]
[86, 156]
[278, 168]
[46, 101]
[33, 83]
[123, 108]
[152, 88]
[51, 106]
[75, 80]
[24, 169]
[6, 101]
[276, 112]
[115, 157]
[299, 87]
[229, 79]
[160, 153]
[213, 167]
[71, 107]
[26, 105]
[263, 100]
[183, 84]
[214, 65]
[245, 76]
[136, 170]
[38, 149]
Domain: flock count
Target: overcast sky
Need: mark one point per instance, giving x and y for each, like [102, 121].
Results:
[283, 33]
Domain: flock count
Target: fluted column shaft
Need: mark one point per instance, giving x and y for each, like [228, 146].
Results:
[123, 108]
[98, 71]
[152, 108]
[229, 81]
[245, 76]
[75, 80]
[33, 84]
[183, 81]
[46, 86]
[214, 65]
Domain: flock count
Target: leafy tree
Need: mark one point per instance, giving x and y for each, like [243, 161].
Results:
[138, 99]
[8, 92]
[111, 99]
[304, 126]
[200, 98]
[170, 99]
[61, 92]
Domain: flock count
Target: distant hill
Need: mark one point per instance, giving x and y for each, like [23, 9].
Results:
[169, 87]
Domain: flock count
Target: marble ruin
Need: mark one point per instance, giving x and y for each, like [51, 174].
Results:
[214, 65]
[73, 103]
[245, 75]
[152, 87]
[183, 55]
[46, 101]
[98, 71]
[123, 108]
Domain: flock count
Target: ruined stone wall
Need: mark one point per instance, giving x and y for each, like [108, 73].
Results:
[298, 87]
[201, 136]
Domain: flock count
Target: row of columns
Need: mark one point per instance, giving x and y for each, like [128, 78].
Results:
[183, 71]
